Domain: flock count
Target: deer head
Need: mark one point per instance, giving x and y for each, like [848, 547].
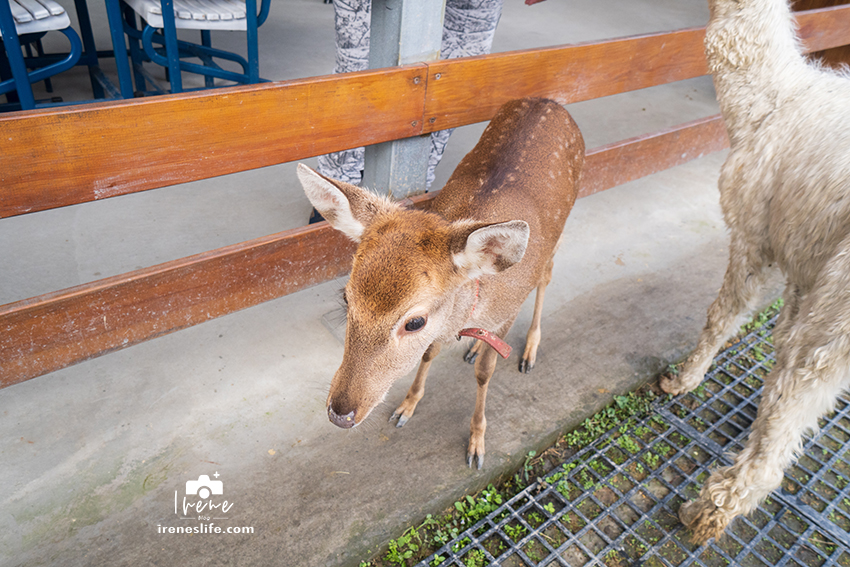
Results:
[412, 284]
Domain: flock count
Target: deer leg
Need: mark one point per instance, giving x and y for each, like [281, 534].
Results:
[484, 367]
[417, 389]
[532, 339]
[741, 286]
[473, 351]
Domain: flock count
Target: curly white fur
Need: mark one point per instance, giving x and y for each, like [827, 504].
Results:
[785, 195]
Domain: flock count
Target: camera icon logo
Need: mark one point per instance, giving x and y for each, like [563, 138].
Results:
[204, 487]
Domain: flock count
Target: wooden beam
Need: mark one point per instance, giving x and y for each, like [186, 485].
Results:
[54, 158]
[621, 162]
[834, 57]
[468, 90]
[824, 28]
[56, 330]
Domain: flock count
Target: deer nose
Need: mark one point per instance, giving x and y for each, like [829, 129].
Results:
[345, 421]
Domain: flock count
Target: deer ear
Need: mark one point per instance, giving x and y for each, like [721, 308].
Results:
[346, 207]
[493, 248]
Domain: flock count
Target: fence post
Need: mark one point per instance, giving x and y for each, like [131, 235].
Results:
[403, 32]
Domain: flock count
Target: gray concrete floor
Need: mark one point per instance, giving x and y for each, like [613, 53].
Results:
[92, 456]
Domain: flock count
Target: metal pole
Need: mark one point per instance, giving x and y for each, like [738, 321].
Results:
[402, 32]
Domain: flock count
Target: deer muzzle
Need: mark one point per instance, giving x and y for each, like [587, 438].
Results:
[345, 421]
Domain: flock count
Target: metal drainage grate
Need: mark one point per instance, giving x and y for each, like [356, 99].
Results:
[615, 502]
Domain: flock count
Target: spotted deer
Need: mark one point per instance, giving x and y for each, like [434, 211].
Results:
[464, 267]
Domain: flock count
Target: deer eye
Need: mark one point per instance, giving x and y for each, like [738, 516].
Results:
[415, 324]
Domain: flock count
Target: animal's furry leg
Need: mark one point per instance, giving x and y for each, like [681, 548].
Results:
[484, 367]
[812, 370]
[790, 308]
[532, 339]
[742, 285]
[776, 438]
[417, 389]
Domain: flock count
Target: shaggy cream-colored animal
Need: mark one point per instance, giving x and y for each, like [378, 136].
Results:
[785, 195]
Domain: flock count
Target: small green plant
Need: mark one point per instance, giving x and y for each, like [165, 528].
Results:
[514, 532]
[586, 479]
[549, 507]
[473, 509]
[623, 412]
[437, 560]
[532, 551]
[404, 547]
[475, 558]
[651, 459]
[658, 419]
[526, 466]
[458, 545]
[598, 466]
[628, 443]
[820, 541]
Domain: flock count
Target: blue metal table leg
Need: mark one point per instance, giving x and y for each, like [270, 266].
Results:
[137, 54]
[16, 58]
[253, 42]
[116, 28]
[206, 41]
[171, 47]
[89, 56]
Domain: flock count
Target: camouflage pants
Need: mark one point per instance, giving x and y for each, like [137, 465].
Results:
[468, 29]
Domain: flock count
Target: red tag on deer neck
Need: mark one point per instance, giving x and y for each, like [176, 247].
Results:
[500, 346]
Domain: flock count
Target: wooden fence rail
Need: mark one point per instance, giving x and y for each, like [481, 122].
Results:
[72, 155]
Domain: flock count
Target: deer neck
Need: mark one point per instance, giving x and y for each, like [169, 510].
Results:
[481, 334]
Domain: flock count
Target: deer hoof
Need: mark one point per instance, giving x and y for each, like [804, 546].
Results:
[525, 366]
[473, 351]
[471, 457]
[402, 419]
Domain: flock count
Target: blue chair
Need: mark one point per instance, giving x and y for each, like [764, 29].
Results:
[156, 39]
[25, 22]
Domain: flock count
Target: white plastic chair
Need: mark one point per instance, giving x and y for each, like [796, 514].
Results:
[157, 40]
[26, 21]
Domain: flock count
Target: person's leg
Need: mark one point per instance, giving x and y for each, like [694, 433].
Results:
[468, 30]
[352, 19]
